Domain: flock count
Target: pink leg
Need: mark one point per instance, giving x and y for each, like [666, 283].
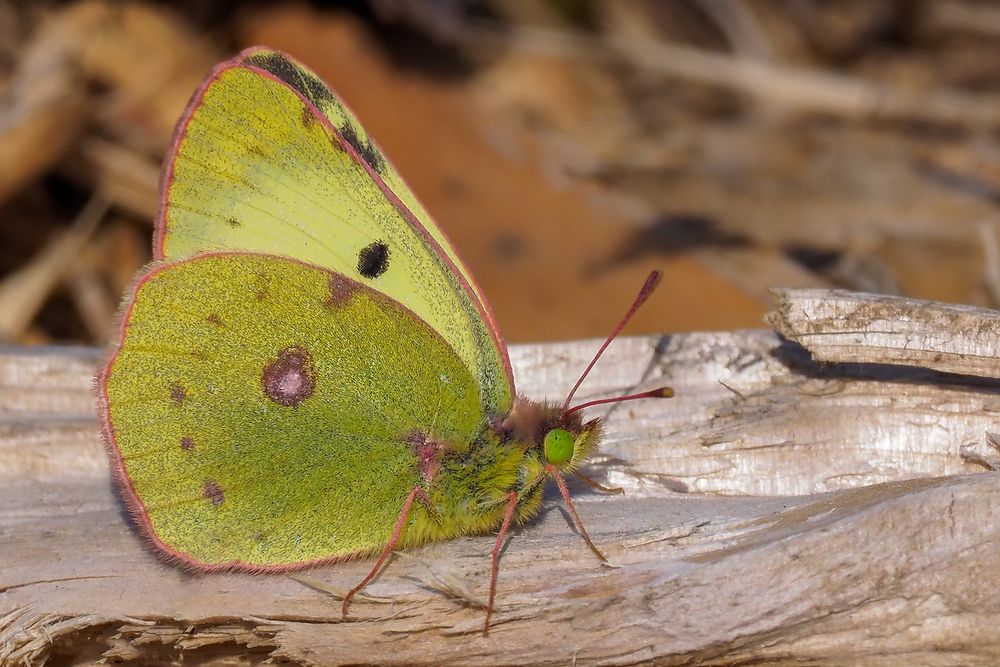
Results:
[572, 510]
[397, 532]
[511, 504]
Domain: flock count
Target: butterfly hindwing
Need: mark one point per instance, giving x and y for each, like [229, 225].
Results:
[267, 159]
[261, 411]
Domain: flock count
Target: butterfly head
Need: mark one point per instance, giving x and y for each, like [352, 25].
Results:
[564, 441]
[569, 444]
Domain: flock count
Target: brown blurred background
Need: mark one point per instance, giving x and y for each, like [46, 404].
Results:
[567, 147]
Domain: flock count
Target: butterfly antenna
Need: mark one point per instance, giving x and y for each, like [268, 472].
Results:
[665, 392]
[661, 392]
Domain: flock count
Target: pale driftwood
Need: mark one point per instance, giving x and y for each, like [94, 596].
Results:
[837, 325]
[778, 510]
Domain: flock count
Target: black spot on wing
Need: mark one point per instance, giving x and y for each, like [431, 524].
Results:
[373, 259]
[365, 148]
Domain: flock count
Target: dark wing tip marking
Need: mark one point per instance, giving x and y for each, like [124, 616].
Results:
[365, 148]
[314, 90]
[301, 80]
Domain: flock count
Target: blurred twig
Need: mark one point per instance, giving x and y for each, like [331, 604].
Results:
[795, 88]
[966, 17]
[991, 251]
[41, 115]
[23, 292]
[741, 28]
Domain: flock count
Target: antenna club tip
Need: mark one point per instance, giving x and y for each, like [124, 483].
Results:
[665, 392]
[651, 284]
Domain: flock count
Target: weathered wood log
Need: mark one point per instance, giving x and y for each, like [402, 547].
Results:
[842, 326]
[777, 510]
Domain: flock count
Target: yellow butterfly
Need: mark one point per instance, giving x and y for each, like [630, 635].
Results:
[307, 372]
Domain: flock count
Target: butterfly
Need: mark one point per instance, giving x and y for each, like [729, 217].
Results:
[307, 372]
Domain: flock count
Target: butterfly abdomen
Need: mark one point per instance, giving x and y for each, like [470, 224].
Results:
[470, 488]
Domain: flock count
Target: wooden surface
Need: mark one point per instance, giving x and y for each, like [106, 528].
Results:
[778, 510]
[842, 326]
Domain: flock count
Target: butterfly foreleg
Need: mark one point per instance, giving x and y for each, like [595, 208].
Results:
[416, 493]
[598, 486]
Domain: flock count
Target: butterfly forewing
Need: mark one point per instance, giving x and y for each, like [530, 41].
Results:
[267, 159]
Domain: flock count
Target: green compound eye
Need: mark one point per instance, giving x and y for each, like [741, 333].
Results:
[558, 445]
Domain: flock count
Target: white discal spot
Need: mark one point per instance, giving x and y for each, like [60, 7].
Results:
[291, 377]
[291, 382]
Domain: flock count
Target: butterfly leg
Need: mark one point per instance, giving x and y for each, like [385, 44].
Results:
[397, 532]
[597, 485]
[594, 484]
[511, 504]
[561, 483]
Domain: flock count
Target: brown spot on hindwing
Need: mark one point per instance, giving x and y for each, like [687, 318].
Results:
[212, 492]
[233, 222]
[341, 291]
[290, 378]
[213, 318]
[178, 394]
[262, 286]
[187, 443]
[373, 260]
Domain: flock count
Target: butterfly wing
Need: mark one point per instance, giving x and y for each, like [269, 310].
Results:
[267, 159]
[264, 413]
